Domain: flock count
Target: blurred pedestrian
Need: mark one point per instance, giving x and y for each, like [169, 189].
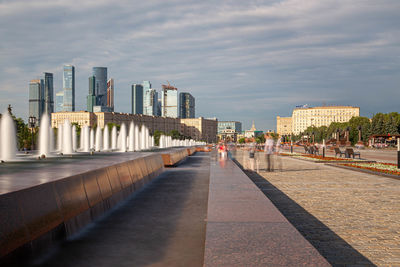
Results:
[269, 150]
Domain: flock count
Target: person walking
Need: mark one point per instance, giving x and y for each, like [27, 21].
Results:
[269, 150]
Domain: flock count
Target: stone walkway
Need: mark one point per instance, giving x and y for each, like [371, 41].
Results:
[350, 217]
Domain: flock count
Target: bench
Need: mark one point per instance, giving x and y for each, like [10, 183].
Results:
[338, 151]
[350, 152]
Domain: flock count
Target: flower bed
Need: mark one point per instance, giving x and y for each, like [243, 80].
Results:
[381, 167]
[317, 157]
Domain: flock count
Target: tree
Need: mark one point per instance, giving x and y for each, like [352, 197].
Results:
[242, 140]
[377, 125]
[175, 134]
[157, 135]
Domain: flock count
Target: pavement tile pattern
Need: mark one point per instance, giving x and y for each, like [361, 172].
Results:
[351, 218]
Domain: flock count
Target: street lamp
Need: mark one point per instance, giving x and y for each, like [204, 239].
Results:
[32, 124]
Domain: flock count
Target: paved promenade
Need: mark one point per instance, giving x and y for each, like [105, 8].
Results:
[351, 218]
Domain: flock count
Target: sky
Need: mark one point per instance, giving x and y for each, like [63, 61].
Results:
[241, 60]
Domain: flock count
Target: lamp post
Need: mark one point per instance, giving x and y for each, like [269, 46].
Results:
[338, 137]
[348, 136]
[398, 153]
[32, 124]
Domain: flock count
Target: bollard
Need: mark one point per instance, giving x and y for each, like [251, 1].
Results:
[291, 147]
[323, 149]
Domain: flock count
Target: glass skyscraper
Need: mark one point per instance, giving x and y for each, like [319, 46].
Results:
[91, 98]
[150, 99]
[100, 73]
[48, 93]
[186, 105]
[36, 88]
[69, 88]
[137, 99]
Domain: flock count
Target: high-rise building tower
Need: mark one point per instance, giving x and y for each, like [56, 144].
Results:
[60, 101]
[69, 88]
[150, 99]
[110, 94]
[36, 89]
[186, 105]
[48, 93]
[100, 73]
[91, 98]
[169, 101]
[137, 99]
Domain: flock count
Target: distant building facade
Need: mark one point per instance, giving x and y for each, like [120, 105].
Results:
[234, 125]
[304, 117]
[69, 88]
[199, 129]
[169, 101]
[60, 101]
[137, 99]
[110, 94]
[186, 105]
[284, 125]
[36, 100]
[229, 130]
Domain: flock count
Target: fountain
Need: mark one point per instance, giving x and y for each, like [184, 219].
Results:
[51, 139]
[99, 139]
[91, 140]
[131, 137]
[60, 137]
[8, 144]
[106, 139]
[74, 146]
[67, 138]
[81, 140]
[114, 138]
[142, 138]
[137, 141]
[122, 137]
[86, 139]
[44, 132]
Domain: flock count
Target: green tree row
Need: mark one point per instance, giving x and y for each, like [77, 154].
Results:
[382, 124]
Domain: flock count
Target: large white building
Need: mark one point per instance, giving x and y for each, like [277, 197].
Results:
[304, 117]
[169, 101]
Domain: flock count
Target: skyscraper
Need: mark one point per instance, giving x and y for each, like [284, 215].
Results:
[137, 99]
[150, 99]
[186, 105]
[69, 88]
[60, 101]
[110, 94]
[91, 98]
[48, 93]
[36, 88]
[169, 101]
[100, 73]
[146, 85]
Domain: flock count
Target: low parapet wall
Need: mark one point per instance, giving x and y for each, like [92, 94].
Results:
[191, 150]
[36, 216]
[172, 157]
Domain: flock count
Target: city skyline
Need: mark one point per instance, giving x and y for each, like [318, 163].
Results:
[248, 61]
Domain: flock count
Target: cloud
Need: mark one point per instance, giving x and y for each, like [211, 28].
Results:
[241, 60]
